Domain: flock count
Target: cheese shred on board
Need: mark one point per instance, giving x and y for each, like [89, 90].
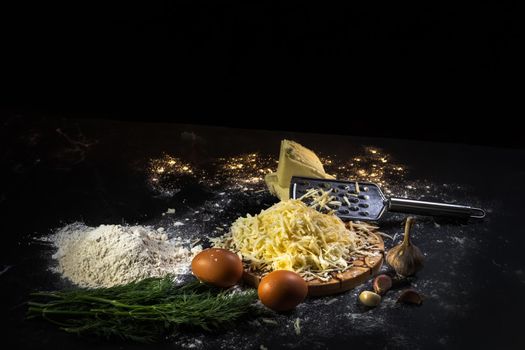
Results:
[293, 236]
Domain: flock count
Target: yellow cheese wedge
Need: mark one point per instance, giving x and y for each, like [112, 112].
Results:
[294, 160]
[280, 192]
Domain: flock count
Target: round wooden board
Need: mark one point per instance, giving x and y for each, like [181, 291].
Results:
[362, 270]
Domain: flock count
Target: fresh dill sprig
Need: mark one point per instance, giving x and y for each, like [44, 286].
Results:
[144, 311]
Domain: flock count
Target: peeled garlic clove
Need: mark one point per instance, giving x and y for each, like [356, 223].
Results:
[369, 298]
[410, 296]
[382, 284]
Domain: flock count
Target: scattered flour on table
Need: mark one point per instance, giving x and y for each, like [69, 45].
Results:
[110, 255]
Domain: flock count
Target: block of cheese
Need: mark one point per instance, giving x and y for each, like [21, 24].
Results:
[273, 185]
[294, 160]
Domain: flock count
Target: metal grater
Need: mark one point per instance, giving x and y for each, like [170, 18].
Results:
[366, 201]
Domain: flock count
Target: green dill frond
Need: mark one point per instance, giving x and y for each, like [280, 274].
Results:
[143, 311]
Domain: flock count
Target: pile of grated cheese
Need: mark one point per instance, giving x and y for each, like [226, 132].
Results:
[293, 236]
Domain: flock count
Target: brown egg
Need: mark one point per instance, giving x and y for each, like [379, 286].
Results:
[282, 290]
[218, 267]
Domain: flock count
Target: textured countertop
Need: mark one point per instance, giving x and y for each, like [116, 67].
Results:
[103, 172]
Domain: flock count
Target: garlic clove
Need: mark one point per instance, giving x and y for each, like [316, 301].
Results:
[370, 299]
[410, 296]
[382, 284]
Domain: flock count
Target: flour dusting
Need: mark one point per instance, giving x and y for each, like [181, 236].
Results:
[110, 255]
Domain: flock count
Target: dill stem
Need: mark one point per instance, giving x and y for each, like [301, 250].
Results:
[60, 312]
[106, 301]
[33, 303]
[46, 294]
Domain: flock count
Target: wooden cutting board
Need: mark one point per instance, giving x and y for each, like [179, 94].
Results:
[362, 270]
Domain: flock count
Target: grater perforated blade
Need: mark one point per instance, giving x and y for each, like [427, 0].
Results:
[365, 200]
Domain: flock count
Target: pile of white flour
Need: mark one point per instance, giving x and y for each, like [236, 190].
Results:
[110, 255]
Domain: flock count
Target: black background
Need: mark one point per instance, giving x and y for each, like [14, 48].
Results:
[441, 71]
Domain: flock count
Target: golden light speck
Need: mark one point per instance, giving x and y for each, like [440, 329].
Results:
[246, 169]
[164, 173]
[254, 180]
[372, 164]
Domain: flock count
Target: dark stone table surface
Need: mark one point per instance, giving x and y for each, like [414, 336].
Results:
[58, 171]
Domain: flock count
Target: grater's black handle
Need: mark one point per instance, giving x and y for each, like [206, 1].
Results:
[409, 206]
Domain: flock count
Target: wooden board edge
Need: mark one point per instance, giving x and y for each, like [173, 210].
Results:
[345, 281]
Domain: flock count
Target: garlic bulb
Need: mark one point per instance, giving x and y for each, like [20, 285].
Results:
[405, 258]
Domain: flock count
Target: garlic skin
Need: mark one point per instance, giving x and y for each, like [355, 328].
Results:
[410, 296]
[406, 258]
